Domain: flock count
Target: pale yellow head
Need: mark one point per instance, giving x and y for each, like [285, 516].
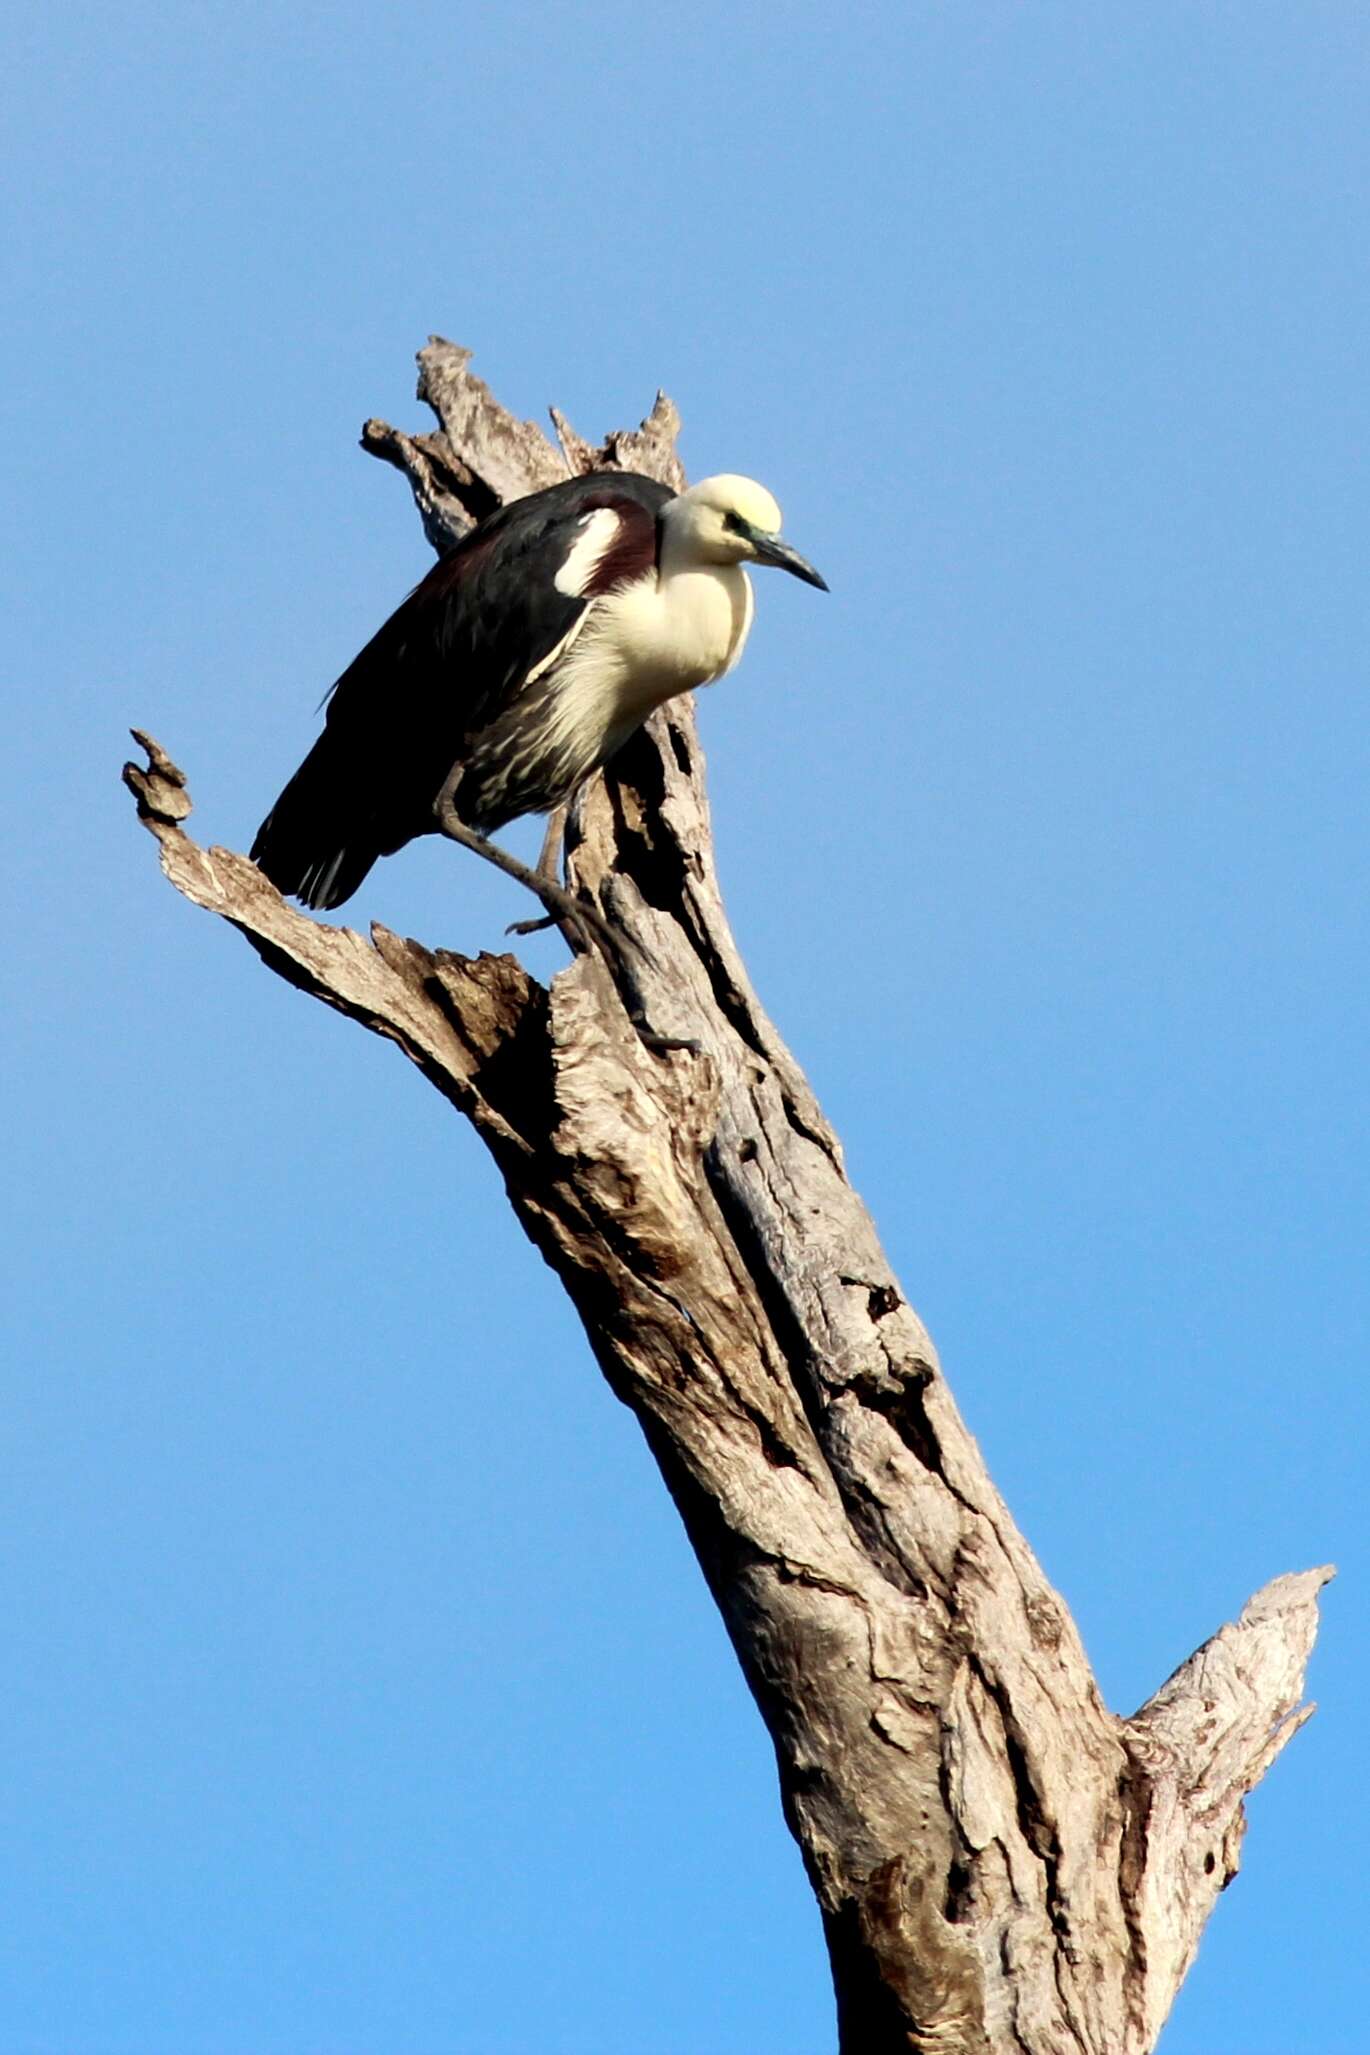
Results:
[730, 520]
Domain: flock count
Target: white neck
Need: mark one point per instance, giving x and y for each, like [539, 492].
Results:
[701, 614]
[642, 645]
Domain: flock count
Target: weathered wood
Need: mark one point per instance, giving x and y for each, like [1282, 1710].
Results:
[1002, 1864]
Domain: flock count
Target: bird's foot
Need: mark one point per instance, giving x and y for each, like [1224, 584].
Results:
[590, 924]
[564, 911]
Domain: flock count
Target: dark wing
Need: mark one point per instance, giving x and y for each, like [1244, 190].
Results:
[446, 662]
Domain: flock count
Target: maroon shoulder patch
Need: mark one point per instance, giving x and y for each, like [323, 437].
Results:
[631, 554]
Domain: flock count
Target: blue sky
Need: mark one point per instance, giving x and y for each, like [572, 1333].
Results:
[362, 1696]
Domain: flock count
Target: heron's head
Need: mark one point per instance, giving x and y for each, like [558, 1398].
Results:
[732, 520]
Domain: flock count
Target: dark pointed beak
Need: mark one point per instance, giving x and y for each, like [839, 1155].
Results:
[771, 550]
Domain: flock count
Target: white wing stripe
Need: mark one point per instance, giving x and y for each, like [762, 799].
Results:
[597, 532]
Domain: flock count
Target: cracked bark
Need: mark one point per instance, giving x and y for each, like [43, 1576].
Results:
[1002, 1864]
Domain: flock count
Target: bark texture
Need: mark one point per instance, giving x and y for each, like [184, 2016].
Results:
[1004, 1867]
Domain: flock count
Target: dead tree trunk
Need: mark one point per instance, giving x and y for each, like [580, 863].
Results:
[1002, 1864]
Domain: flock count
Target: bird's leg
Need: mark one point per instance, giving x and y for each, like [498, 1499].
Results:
[569, 912]
[549, 863]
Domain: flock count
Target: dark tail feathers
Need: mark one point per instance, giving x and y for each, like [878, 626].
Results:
[321, 837]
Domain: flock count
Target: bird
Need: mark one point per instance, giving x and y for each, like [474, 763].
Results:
[521, 664]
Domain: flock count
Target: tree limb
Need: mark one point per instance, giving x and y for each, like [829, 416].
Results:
[1002, 1864]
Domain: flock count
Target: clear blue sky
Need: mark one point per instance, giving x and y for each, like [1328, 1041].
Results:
[361, 1695]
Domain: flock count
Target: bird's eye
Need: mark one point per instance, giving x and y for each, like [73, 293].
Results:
[733, 520]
